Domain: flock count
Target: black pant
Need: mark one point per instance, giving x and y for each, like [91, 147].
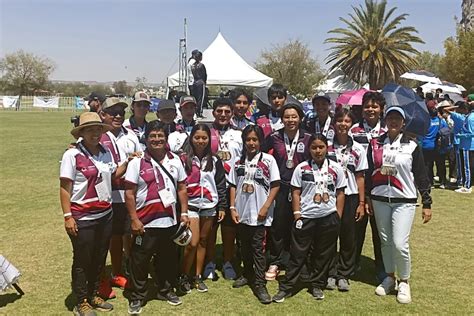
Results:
[343, 263]
[90, 248]
[199, 92]
[154, 241]
[252, 240]
[431, 158]
[280, 230]
[321, 235]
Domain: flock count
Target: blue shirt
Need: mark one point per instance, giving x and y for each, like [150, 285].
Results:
[458, 120]
[466, 137]
[429, 141]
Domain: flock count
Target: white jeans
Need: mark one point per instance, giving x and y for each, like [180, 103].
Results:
[394, 221]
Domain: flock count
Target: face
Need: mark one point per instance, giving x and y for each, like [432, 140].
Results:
[394, 122]
[200, 140]
[113, 116]
[222, 115]
[187, 111]
[321, 107]
[277, 101]
[166, 116]
[318, 150]
[156, 140]
[94, 105]
[371, 111]
[141, 108]
[252, 144]
[91, 135]
[343, 124]
[241, 106]
[291, 119]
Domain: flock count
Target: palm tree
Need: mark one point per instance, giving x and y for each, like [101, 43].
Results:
[373, 48]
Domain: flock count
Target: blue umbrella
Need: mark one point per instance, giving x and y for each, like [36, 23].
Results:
[417, 116]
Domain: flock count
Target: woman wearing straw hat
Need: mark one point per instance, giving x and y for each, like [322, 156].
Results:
[86, 201]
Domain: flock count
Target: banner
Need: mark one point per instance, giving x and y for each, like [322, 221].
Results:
[80, 103]
[46, 102]
[9, 101]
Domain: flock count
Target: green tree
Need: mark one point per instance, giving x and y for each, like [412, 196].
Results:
[292, 65]
[24, 72]
[457, 65]
[141, 83]
[429, 62]
[373, 47]
[121, 87]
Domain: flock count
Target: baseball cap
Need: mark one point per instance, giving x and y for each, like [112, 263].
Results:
[395, 109]
[187, 99]
[166, 105]
[183, 235]
[110, 102]
[141, 96]
[96, 96]
[321, 95]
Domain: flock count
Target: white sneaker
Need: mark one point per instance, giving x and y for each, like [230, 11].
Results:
[386, 287]
[436, 178]
[463, 190]
[404, 295]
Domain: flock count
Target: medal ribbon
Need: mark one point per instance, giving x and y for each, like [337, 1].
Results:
[317, 127]
[290, 150]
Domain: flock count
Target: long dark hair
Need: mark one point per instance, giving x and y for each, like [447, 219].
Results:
[314, 137]
[189, 151]
[247, 130]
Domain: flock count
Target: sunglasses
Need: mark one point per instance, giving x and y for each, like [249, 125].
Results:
[115, 112]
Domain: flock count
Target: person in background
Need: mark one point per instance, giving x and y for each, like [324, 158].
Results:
[167, 114]
[320, 121]
[396, 171]
[254, 183]
[419, 92]
[95, 100]
[155, 184]
[187, 107]
[137, 121]
[242, 100]
[353, 158]
[207, 194]
[269, 118]
[318, 202]
[199, 84]
[288, 146]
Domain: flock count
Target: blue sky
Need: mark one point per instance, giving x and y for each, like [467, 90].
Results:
[106, 40]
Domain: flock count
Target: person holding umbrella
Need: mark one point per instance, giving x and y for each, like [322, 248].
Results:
[396, 171]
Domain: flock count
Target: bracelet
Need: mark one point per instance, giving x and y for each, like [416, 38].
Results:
[232, 208]
[185, 214]
[297, 213]
[67, 214]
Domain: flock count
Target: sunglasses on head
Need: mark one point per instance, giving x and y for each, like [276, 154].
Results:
[115, 112]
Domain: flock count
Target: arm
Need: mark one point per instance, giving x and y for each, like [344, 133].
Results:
[274, 188]
[368, 181]
[121, 170]
[221, 190]
[130, 202]
[183, 200]
[233, 210]
[65, 198]
[422, 182]
[360, 212]
[340, 197]
[295, 202]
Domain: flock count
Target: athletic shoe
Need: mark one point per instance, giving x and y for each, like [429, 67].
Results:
[317, 293]
[463, 190]
[404, 293]
[240, 282]
[453, 180]
[99, 304]
[272, 273]
[170, 297]
[105, 290]
[118, 281]
[135, 307]
[200, 285]
[83, 309]
[331, 285]
[228, 271]
[184, 286]
[343, 285]
[442, 186]
[436, 178]
[262, 294]
[386, 287]
[280, 296]
[209, 271]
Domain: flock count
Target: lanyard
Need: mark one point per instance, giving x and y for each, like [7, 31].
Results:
[91, 158]
[342, 156]
[374, 132]
[320, 175]
[290, 150]
[317, 127]
[161, 184]
[113, 147]
[251, 167]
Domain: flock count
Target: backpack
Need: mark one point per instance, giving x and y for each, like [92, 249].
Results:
[444, 139]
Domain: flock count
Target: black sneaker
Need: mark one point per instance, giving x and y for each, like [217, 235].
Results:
[135, 307]
[83, 309]
[170, 297]
[99, 304]
[280, 296]
[200, 285]
[317, 293]
[262, 294]
[240, 282]
[184, 287]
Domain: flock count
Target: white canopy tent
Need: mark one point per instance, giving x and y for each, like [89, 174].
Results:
[225, 67]
[430, 87]
[337, 82]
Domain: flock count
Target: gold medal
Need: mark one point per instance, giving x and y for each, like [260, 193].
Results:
[325, 197]
[250, 188]
[317, 198]
[244, 187]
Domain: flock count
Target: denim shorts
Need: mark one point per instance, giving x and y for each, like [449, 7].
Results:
[196, 213]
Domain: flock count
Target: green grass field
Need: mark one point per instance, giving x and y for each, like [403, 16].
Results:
[32, 237]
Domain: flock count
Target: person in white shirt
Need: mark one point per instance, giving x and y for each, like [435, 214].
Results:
[137, 122]
[155, 185]
[254, 183]
[318, 202]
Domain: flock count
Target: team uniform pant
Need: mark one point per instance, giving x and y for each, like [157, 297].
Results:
[280, 230]
[320, 235]
[252, 241]
[431, 158]
[199, 92]
[158, 242]
[361, 227]
[343, 263]
[467, 167]
[90, 248]
[394, 221]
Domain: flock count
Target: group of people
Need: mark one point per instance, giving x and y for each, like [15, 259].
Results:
[288, 192]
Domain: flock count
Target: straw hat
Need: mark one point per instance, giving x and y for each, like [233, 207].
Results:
[89, 119]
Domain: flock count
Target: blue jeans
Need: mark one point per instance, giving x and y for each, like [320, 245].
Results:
[394, 221]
